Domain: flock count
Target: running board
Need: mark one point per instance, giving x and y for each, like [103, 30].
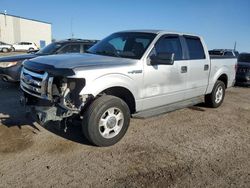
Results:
[168, 108]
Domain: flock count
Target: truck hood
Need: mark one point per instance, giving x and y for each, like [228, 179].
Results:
[72, 61]
[64, 65]
[17, 57]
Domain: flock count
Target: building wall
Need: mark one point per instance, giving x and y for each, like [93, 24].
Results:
[6, 29]
[15, 29]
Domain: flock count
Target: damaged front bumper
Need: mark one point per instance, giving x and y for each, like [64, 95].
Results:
[43, 115]
[44, 112]
[52, 98]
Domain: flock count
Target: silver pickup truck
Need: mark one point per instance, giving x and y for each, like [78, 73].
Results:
[128, 74]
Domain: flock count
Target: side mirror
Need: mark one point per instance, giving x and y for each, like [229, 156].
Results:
[162, 59]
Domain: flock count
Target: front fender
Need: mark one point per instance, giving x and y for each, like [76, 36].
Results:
[104, 82]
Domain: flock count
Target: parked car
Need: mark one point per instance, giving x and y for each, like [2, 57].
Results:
[243, 70]
[131, 73]
[10, 67]
[224, 53]
[24, 46]
[4, 47]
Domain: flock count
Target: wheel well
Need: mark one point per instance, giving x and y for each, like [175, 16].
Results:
[224, 79]
[124, 94]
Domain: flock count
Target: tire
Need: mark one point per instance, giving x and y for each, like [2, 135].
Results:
[5, 50]
[30, 49]
[106, 121]
[215, 99]
[13, 49]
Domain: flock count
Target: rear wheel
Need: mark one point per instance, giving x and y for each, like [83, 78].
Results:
[106, 121]
[31, 49]
[13, 49]
[216, 98]
[5, 50]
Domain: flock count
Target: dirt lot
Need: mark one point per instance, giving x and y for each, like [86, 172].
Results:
[193, 147]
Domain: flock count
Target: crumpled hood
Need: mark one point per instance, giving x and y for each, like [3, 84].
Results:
[17, 57]
[71, 61]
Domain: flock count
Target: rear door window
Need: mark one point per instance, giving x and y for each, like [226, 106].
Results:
[195, 48]
[72, 48]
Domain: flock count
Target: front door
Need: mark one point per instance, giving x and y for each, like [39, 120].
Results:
[165, 84]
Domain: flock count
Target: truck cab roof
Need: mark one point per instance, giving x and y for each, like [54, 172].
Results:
[159, 32]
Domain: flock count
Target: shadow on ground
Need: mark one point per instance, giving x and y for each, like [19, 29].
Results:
[12, 114]
[68, 130]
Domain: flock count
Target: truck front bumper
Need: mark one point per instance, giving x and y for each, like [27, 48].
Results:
[44, 111]
[44, 114]
[243, 80]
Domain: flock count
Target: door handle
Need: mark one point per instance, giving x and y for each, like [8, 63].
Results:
[206, 67]
[183, 69]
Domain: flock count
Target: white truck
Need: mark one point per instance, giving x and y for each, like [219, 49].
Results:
[128, 74]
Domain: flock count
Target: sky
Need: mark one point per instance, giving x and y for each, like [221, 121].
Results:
[220, 22]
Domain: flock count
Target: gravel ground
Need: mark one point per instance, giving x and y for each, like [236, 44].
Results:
[192, 147]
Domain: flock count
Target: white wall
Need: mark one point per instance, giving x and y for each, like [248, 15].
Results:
[23, 30]
[32, 31]
[6, 29]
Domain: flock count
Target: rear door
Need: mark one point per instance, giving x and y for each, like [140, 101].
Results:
[165, 84]
[198, 67]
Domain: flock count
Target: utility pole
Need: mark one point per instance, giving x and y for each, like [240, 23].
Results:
[5, 14]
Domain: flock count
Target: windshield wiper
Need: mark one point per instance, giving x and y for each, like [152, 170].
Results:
[107, 53]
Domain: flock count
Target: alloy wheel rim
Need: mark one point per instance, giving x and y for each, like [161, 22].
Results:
[111, 123]
[219, 94]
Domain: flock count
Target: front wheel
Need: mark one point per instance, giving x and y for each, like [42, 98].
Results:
[216, 98]
[106, 121]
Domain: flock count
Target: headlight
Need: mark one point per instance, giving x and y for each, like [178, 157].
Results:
[7, 64]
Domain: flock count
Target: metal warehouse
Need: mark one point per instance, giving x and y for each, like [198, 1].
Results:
[14, 29]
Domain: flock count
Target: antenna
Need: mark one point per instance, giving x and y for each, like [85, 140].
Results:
[71, 28]
[235, 44]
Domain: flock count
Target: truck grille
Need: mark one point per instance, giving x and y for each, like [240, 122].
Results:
[36, 84]
[240, 69]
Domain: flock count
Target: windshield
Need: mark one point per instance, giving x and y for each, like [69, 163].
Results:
[50, 49]
[126, 45]
[244, 58]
